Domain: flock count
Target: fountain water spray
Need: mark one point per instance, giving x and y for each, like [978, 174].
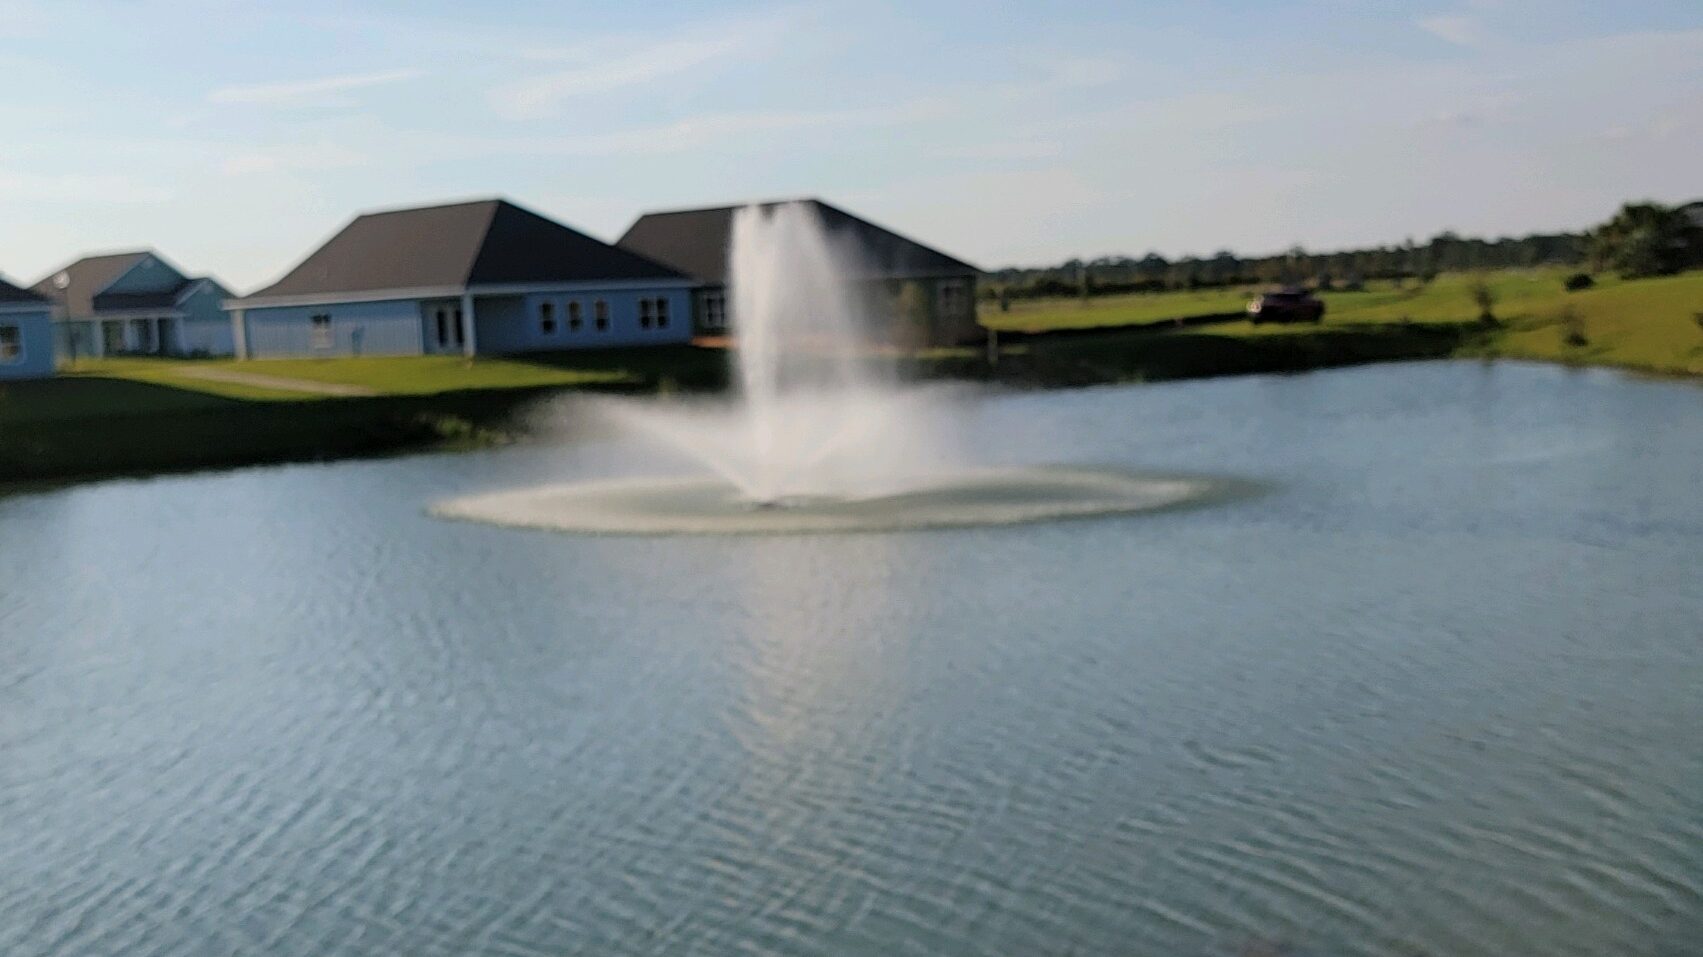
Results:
[818, 408]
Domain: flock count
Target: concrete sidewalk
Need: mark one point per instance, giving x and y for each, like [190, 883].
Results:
[277, 383]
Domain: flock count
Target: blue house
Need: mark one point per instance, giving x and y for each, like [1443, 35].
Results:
[475, 278]
[26, 334]
[136, 303]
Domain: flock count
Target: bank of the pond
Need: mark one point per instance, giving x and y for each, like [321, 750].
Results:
[129, 417]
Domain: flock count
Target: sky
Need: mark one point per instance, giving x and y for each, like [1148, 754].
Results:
[236, 136]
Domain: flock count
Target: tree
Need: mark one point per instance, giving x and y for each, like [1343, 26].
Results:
[1646, 239]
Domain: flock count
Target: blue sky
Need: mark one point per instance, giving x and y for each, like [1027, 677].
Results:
[234, 136]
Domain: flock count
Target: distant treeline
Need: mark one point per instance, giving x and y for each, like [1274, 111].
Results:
[1447, 252]
[1642, 239]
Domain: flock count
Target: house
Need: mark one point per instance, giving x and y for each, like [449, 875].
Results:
[26, 334]
[135, 302]
[486, 277]
[930, 291]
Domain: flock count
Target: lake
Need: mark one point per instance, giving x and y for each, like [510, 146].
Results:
[1436, 689]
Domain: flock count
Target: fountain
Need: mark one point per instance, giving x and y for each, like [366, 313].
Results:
[821, 433]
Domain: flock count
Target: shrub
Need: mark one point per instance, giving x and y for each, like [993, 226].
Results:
[1578, 281]
[1485, 298]
[1573, 327]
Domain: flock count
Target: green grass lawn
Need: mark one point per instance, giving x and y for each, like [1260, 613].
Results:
[1040, 315]
[1647, 324]
[389, 375]
[1650, 324]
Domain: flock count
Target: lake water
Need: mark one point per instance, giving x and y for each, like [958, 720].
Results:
[1437, 690]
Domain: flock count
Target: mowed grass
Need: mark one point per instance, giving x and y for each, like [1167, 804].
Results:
[1646, 324]
[1654, 325]
[1041, 315]
[403, 375]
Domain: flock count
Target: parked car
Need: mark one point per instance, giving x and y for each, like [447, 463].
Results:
[1286, 305]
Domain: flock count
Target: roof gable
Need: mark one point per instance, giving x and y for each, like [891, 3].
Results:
[695, 241]
[149, 274]
[432, 246]
[115, 282]
[75, 286]
[454, 246]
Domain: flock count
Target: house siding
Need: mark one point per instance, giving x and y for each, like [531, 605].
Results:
[388, 328]
[507, 324]
[35, 335]
[205, 328]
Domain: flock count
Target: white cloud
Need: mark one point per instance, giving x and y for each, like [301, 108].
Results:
[1078, 72]
[1458, 29]
[300, 92]
[21, 20]
[77, 188]
[707, 130]
[595, 70]
[1002, 149]
[293, 159]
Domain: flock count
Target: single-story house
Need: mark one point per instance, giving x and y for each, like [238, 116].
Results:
[475, 278]
[931, 295]
[136, 302]
[26, 334]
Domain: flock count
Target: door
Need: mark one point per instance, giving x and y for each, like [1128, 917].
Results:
[441, 325]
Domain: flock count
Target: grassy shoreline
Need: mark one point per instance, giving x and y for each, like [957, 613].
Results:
[144, 416]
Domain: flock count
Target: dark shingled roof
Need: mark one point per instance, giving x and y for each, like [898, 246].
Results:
[84, 279]
[463, 244]
[12, 294]
[695, 242]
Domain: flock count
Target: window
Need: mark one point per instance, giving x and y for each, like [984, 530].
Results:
[460, 333]
[645, 313]
[575, 320]
[547, 318]
[11, 344]
[715, 311]
[600, 309]
[952, 298]
[443, 327]
[662, 314]
[319, 331]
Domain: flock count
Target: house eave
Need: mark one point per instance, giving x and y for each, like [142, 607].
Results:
[119, 314]
[450, 292]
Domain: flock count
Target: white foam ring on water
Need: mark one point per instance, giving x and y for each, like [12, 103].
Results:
[711, 507]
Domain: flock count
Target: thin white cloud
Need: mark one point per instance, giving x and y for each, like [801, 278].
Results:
[300, 92]
[710, 130]
[543, 95]
[293, 159]
[23, 20]
[1080, 72]
[1002, 149]
[1455, 28]
[595, 69]
[81, 188]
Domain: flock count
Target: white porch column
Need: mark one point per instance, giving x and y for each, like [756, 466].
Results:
[239, 333]
[98, 347]
[469, 348]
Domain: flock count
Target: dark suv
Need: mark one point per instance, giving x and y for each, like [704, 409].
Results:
[1286, 305]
